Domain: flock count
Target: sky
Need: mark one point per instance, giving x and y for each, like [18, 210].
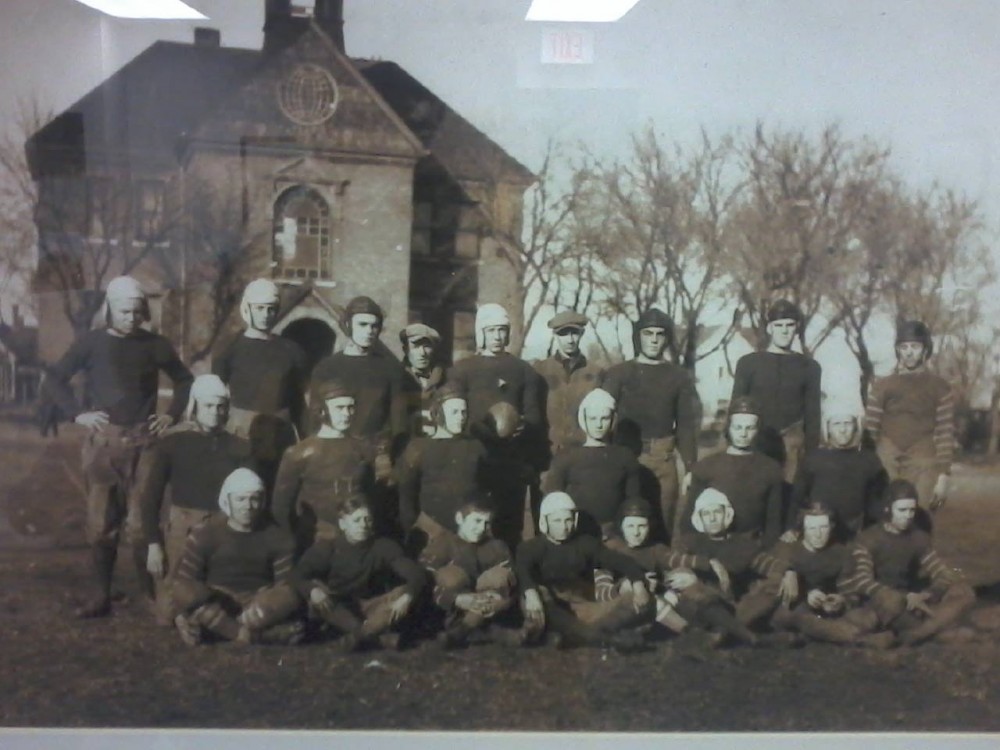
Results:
[919, 75]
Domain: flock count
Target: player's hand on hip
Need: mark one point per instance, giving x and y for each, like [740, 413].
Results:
[92, 420]
[155, 560]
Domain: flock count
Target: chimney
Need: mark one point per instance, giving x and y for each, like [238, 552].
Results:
[329, 14]
[281, 25]
[206, 37]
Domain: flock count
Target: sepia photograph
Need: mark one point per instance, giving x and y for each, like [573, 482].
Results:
[563, 371]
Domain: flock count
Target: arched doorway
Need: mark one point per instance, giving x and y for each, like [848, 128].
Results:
[314, 336]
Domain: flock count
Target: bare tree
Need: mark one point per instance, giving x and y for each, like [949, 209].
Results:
[805, 199]
[664, 238]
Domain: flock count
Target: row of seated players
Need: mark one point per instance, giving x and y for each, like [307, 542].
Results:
[238, 579]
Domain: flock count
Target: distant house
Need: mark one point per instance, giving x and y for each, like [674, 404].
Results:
[714, 372]
[331, 175]
[19, 366]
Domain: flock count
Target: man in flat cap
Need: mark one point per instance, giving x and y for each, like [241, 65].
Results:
[911, 419]
[266, 375]
[785, 385]
[121, 364]
[424, 375]
[658, 410]
[568, 377]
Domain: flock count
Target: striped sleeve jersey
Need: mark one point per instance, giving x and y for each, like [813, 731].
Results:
[220, 556]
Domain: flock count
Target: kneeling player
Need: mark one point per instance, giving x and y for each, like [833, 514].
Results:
[824, 614]
[473, 579]
[893, 564]
[343, 578]
[232, 579]
[556, 574]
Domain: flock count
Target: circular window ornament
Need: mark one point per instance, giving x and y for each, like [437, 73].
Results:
[308, 95]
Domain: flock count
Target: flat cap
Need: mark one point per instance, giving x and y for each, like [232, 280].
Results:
[417, 331]
[568, 319]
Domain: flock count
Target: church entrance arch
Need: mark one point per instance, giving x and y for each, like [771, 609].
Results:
[316, 338]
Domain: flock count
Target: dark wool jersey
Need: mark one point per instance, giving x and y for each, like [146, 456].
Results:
[742, 556]
[264, 375]
[320, 474]
[786, 389]
[242, 561]
[541, 562]
[487, 380]
[914, 407]
[599, 479]
[565, 381]
[819, 569]
[659, 400]
[376, 380]
[900, 561]
[848, 481]
[436, 476]
[121, 376]
[359, 570]
[753, 484]
[194, 464]
[473, 559]
[659, 558]
[418, 394]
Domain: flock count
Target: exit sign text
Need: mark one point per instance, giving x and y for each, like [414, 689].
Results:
[568, 47]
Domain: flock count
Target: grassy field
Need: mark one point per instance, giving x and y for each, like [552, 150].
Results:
[126, 672]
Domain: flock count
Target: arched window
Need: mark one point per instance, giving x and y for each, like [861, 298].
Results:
[302, 235]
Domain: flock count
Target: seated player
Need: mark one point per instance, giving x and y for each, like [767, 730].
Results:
[435, 473]
[193, 460]
[897, 572]
[233, 578]
[555, 572]
[823, 613]
[751, 481]
[344, 580]
[599, 476]
[320, 473]
[668, 573]
[759, 581]
[472, 572]
[840, 476]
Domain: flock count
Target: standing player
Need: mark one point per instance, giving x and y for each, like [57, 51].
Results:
[492, 377]
[568, 377]
[233, 578]
[751, 481]
[424, 375]
[785, 385]
[893, 564]
[121, 365]
[840, 476]
[658, 410]
[266, 376]
[193, 460]
[600, 477]
[911, 418]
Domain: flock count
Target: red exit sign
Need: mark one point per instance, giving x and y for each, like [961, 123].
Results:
[568, 46]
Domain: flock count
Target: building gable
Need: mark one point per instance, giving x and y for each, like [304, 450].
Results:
[309, 96]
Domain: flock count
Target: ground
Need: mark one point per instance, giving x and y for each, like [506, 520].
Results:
[126, 672]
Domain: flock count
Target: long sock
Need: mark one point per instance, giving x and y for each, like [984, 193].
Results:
[718, 616]
[103, 558]
[213, 617]
[146, 584]
[343, 619]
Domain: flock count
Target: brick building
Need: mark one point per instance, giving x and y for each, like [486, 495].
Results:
[196, 167]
